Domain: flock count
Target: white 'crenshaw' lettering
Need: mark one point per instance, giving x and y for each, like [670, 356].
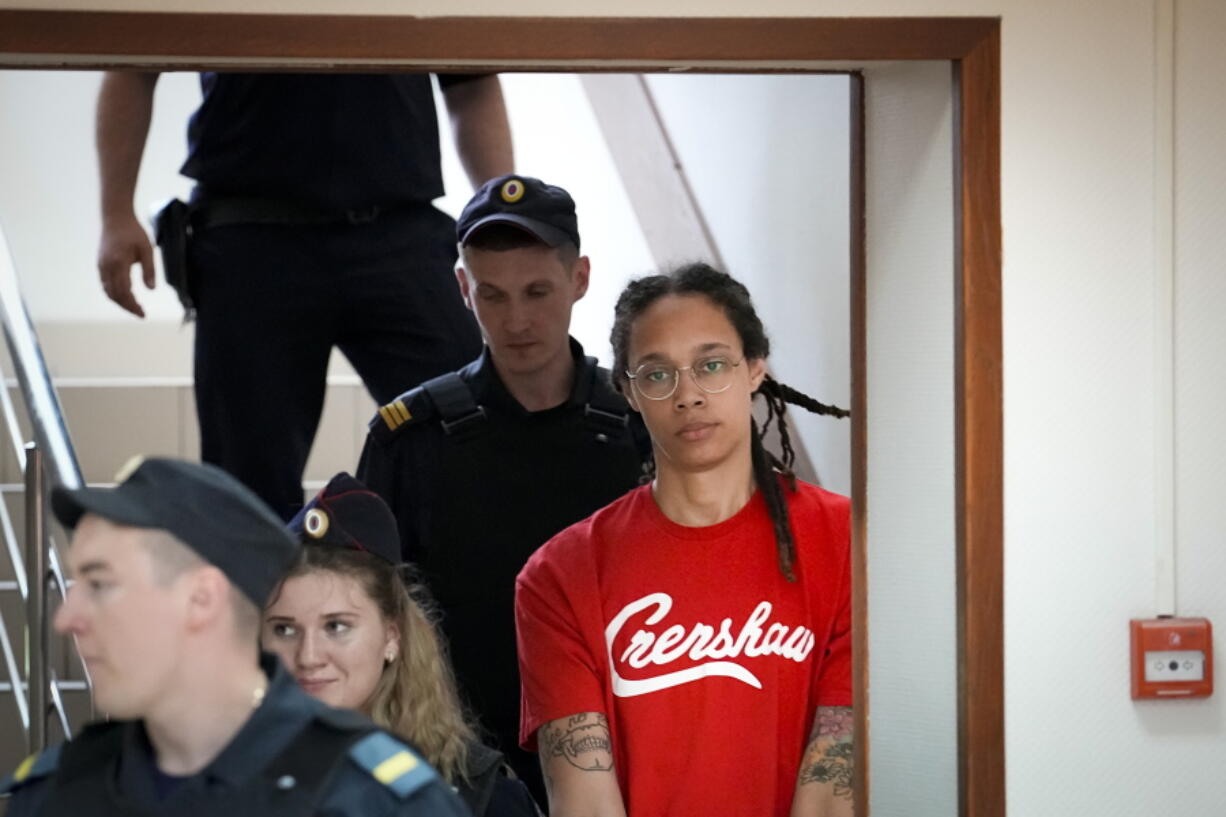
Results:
[701, 641]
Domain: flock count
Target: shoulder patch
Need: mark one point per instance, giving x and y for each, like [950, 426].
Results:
[32, 768]
[392, 763]
[408, 409]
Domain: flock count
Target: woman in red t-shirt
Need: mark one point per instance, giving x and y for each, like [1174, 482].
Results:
[687, 649]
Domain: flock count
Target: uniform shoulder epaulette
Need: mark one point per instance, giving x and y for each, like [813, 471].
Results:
[408, 409]
[392, 763]
[32, 768]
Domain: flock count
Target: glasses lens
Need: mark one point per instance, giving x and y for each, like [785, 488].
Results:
[714, 374]
[656, 380]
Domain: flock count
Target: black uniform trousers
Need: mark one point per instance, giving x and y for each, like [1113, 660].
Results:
[271, 302]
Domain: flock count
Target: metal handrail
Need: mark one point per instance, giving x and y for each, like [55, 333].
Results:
[42, 403]
[37, 672]
[49, 460]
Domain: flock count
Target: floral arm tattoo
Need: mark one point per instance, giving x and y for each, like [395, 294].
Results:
[582, 739]
[828, 757]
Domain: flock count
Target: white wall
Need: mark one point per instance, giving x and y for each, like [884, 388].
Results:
[1079, 417]
[49, 194]
[1078, 335]
[768, 159]
[1200, 340]
[912, 655]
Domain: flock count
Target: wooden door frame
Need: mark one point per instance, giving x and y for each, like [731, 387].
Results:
[185, 41]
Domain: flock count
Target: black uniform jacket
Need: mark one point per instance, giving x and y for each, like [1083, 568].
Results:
[294, 756]
[477, 483]
[490, 791]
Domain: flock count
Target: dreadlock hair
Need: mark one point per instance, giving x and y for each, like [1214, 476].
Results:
[771, 472]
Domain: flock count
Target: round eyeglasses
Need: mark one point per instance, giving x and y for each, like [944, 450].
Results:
[658, 381]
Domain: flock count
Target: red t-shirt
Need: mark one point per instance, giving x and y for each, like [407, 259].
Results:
[706, 661]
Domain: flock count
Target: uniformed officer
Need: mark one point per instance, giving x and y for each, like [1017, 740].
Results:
[311, 226]
[171, 569]
[484, 465]
[356, 635]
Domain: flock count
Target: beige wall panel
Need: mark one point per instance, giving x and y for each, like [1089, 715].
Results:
[189, 429]
[335, 448]
[110, 424]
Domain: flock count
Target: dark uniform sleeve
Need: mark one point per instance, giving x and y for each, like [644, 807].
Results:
[26, 801]
[389, 462]
[377, 471]
[27, 786]
[438, 799]
[385, 469]
[511, 799]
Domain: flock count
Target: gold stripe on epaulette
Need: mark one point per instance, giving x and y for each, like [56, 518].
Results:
[395, 766]
[395, 414]
[23, 770]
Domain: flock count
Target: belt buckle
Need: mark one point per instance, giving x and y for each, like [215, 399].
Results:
[362, 215]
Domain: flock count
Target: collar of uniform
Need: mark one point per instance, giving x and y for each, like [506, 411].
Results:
[488, 387]
[283, 712]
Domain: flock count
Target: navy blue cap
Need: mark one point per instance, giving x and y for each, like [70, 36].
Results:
[545, 211]
[204, 507]
[347, 514]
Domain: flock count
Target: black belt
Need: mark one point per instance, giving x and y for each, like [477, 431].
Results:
[221, 212]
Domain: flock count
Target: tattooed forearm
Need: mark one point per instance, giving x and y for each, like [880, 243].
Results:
[582, 739]
[833, 767]
[828, 757]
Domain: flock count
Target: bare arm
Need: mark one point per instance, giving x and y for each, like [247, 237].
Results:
[823, 787]
[577, 759]
[479, 124]
[125, 106]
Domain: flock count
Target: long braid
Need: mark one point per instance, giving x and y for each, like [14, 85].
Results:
[773, 388]
[767, 480]
[765, 464]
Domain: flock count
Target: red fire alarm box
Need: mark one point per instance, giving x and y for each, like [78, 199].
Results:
[1172, 658]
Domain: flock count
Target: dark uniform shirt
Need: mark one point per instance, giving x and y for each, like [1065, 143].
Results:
[290, 745]
[311, 228]
[475, 502]
[488, 790]
[334, 141]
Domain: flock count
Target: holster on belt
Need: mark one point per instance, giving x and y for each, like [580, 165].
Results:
[172, 230]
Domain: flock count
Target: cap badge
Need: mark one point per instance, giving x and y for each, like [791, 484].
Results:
[316, 523]
[512, 191]
[128, 467]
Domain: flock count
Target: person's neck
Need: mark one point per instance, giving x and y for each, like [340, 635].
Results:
[195, 722]
[704, 498]
[545, 388]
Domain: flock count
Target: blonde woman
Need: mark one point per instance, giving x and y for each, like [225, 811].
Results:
[355, 635]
